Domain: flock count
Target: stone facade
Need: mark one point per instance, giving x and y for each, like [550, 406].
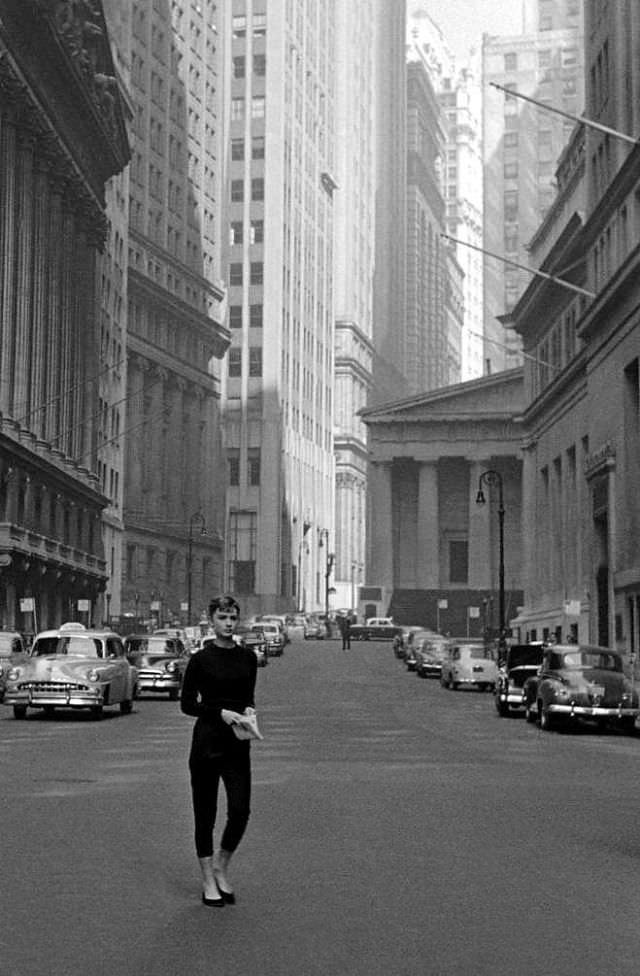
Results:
[62, 136]
[429, 541]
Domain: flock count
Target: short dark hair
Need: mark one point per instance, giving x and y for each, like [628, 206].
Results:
[225, 602]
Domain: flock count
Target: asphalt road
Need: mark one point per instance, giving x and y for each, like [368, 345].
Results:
[397, 829]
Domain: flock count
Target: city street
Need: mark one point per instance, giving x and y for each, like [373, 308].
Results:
[398, 829]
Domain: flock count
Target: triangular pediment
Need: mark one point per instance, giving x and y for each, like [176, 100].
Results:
[500, 395]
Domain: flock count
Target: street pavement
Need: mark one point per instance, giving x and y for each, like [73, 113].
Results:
[397, 828]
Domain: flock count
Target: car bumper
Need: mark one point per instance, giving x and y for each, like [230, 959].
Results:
[478, 680]
[593, 711]
[512, 699]
[158, 683]
[71, 698]
[429, 670]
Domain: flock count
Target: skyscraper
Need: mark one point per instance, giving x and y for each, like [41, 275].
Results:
[277, 388]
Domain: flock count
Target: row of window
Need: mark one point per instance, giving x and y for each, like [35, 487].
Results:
[259, 65]
[258, 27]
[253, 467]
[257, 148]
[255, 316]
[235, 361]
[256, 273]
[256, 232]
[238, 108]
[237, 190]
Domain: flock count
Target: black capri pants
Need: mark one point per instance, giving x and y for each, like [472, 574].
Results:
[234, 769]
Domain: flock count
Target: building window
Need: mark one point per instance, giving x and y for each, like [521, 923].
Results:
[257, 231]
[255, 361]
[237, 109]
[239, 25]
[257, 274]
[258, 107]
[239, 66]
[259, 25]
[510, 140]
[458, 561]
[511, 170]
[257, 189]
[255, 316]
[235, 316]
[235, 273]
[237, 149]
[242, 542]
[237, 191]
[235, 361]
[260, 65]
[257, 147]
[233, 460]
[235, 235]
[511, 62]
[254, 466]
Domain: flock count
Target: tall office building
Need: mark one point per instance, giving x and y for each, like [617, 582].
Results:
[278, 385]
[522, 144]
[356, 37]
[461, 172]
[173, 490]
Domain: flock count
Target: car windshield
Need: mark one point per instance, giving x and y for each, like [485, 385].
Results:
[478, 653]
[152, 645]
[603, 660]
[267, 629]
[520, 654]
[78, 645]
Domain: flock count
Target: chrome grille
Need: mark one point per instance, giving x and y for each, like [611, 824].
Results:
[51, 686]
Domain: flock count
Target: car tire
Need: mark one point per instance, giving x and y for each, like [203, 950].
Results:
[501, 708]
[126, 706]
[96, 711]
[529, 715]
[49, 711]
[20, 711]
[548, 722]
[174, 694]
[443, 682]
[628, 726]
[451, 684]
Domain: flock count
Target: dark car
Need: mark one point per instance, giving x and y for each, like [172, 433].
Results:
[429, 653]
[521, 662]
[12, 650]
[581, 682]
[160, 661]
[254, 639]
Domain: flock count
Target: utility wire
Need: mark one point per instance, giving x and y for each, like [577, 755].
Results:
[64, 393]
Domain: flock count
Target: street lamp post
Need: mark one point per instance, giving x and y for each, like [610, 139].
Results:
[494, 479]
[328, 566]
[197, 517]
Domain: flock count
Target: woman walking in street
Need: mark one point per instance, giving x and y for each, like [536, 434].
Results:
[218, 690]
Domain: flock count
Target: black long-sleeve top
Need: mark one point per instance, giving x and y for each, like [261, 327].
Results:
[216, 678]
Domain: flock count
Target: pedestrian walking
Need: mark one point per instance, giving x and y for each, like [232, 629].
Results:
[218, 690]
[345, 629]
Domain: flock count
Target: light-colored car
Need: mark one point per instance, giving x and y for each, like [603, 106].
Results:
[72, 667]
[314, 628]
[468, 663]
[251, 638]
[160, 662]
[12, 651]
[273, 637]
[279, 620]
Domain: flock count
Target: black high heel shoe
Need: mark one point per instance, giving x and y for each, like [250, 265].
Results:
[228, 897]
[213, 902]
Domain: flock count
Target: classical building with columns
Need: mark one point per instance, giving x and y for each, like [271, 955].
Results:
[433, 551]
[62, 137]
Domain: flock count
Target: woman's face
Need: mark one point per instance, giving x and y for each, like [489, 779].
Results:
[225, 622]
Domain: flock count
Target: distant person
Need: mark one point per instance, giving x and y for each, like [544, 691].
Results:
[345, 630]
[218, 690]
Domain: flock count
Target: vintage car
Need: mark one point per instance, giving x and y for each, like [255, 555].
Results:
[160, 661]
[405, 637]
[375, 632]
[429, 653]
[273, 637]
[12, 651]
[72, 667]
[520, 662]
[469, 663]
[314, 628]
[253, 639]
[581, 682]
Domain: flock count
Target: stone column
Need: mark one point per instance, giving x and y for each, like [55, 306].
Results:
[52, 380]
[134, 457]
[480, 548]
[42, 247]
[380, 569]
[8, 156]
[428, 535]
[24, 295]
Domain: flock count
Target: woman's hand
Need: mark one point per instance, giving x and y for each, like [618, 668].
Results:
[230, 717]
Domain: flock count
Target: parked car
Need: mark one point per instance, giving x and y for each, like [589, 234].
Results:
[581, 682]
[279, 621]
[254, 639]
[404, 638]
[469, 663]
[314, 628]
[180, 633]
[273, 636]
[374, 631]
[429, 653]
[521, 662]
[72, 667]
[12, 651]
[295, 623]
[160, 662]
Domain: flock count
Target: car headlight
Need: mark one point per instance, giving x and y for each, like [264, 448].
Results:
[171, 667]
[560, 691]
[93, 674]
[13, 674]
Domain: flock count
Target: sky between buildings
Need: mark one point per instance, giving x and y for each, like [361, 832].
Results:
[463, 22]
